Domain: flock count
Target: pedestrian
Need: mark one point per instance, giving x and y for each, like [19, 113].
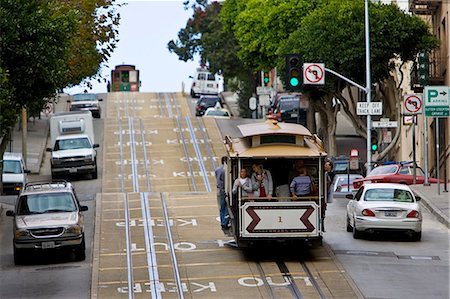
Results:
[329, 177]
[243, 183]
[221, 195]
[262, 181]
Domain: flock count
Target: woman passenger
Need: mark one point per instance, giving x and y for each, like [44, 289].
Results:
[244, 183]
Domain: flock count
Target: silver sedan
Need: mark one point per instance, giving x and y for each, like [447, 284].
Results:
[384, 207]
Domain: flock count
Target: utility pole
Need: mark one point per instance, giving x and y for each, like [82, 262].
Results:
[368, 84]
[24, 135]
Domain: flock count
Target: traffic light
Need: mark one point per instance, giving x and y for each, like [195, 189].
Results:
[294, 74]
[374, 141]
[266, 78]
[423, 69]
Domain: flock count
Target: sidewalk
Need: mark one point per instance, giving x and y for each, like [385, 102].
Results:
[437, 204]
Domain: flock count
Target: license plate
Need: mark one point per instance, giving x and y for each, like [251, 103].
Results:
[48, 245]
[294, 114]
[210, 85]
[72, 170]
[390, 214]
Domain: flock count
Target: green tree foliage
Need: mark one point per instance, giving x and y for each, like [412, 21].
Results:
[93, 40]
[34, 49]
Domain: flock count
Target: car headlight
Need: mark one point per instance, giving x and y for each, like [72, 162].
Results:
[56, 161]
[88, 158]
[21, 233]
[74, 229]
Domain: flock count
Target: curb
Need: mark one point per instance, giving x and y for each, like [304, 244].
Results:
[441, 217]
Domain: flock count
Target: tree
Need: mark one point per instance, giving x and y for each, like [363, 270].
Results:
[93, 40]
[206, 36]
[334, 34]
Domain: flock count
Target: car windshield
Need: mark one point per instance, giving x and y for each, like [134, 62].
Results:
[210, 102]
[10, 166]
[217, 112]
[289, 104]
[46, 203]
[384, 169]
[84, 97]
[76, 143]
[388, 194]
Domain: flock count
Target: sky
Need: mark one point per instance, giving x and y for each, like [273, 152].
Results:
[145, 29]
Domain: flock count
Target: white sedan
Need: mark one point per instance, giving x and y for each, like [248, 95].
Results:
[384, 207]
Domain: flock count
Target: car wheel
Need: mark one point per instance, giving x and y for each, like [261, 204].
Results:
[18, 256]
[349, 227]
[416, 236]
[356, 233]
[80, 251]
[95, 173]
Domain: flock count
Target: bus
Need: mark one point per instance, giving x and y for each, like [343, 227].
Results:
[124, 77]
[280, 216]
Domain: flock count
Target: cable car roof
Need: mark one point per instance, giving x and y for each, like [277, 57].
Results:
[248, 147]
[273, 127]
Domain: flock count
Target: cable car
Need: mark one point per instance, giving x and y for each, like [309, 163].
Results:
[281, 216]
[124, 77]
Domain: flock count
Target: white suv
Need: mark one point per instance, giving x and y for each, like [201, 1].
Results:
[204, 83]
[47, 216]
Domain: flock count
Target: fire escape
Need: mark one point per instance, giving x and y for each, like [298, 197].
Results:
[428, 9]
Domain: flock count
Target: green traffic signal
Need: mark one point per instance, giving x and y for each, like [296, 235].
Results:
[294, 82]
[374, 147]
[266, 80]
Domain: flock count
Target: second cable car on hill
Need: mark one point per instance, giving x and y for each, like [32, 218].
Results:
[124, 77]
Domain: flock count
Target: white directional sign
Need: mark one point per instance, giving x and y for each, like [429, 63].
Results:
[384, 124]
[412, 104]
[260, 90]
[314, 73]
[437, 101]
[372, 108]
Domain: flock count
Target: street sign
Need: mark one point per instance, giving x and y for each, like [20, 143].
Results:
[437, 101]
[314, 73]
[372, 108]
[260, 90]
[264, 100]
[412, 104]
[384, 124]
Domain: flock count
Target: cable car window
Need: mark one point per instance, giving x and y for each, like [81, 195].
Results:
[277, 139]
[125, 76]
[211, 77]
[201, 76]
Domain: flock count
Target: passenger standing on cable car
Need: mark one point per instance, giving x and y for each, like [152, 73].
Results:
[221, 195]
[244, 183]
[262, 181]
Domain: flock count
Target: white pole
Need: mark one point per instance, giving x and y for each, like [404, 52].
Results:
[368, 84]
[425, 149]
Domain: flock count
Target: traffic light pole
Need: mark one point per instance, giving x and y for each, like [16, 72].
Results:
[368, 84]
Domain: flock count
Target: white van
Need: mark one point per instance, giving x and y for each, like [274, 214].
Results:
[204, 83]
[14, 175]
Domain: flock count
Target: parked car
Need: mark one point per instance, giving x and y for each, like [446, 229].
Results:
[288, 109]
[47, 216]
[217, 113]
[384, 207]
[341, 186]
[401, 173]
[14, 174]
[341, 165]
[86, 101]
[204, 83]
[205, 102]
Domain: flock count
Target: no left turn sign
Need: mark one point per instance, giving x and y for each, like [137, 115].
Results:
[412, 104]
[314, 73]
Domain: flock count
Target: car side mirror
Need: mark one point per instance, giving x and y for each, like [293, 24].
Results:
[10, 213]
[83, 208]
[191, 77]
[100, 100]
[68, 101]
[418, 198]
[27, 171]
[96, 145]
[349, 196]
[48, 149]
